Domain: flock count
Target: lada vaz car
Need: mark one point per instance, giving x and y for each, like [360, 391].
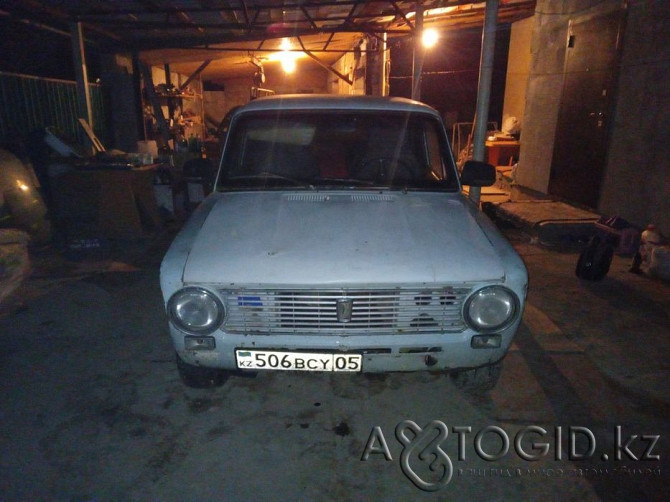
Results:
[338, 239]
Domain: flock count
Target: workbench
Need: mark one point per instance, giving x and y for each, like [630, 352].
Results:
[109, 202]
[501, 152]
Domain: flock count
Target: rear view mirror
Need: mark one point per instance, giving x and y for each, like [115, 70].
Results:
[478, 174]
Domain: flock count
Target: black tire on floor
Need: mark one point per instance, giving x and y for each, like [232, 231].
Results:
[604, 259]
[478, 380]
[198, 377]
[595, 260]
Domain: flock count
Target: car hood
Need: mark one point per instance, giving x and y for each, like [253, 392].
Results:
[340, 238]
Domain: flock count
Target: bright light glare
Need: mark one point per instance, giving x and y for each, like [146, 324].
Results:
[287, 57]
[288, 63]
[285, 44]
[429, 38]
[22, 186]
[434, 12]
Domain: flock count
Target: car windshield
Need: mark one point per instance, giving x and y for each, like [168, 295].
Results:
[335, 149]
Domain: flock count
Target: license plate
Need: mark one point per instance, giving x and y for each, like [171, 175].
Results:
[297, 361]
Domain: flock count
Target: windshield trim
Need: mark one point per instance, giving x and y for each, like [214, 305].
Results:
[450, 182]
[335, 188]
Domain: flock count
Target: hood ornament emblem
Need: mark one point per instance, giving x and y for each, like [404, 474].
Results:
[345, 307]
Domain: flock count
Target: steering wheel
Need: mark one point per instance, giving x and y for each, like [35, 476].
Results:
[386, 169]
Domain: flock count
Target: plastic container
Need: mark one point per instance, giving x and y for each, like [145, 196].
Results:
[650, 238]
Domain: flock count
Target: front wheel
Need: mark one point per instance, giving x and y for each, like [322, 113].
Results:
[199, 377]
[478, 380]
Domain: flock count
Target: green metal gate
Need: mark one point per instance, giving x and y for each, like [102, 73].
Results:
[28, 104]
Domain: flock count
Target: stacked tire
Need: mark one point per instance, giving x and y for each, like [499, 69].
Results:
[595, 260]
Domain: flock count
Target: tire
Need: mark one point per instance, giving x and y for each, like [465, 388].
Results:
[198, 377]
[604, 259]
[595, 260]
[478, 380]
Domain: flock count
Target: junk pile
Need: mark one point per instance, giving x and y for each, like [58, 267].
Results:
[612, 235]
[21, 204]
[649, 249]
[14, 260]
[653, 255]
[101, 198]
[23, 221]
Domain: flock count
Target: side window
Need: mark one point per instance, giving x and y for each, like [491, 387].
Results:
[434, 152]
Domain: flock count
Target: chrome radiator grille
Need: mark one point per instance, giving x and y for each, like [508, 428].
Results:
[316, 312]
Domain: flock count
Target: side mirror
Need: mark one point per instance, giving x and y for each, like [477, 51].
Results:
[478, 174]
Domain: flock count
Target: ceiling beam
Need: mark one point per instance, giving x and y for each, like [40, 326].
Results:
[324, 65]
[327, 42]
[309, 18]
[267, 6]
[261, 49]
[127, 24]
[52, 17]
[195, 74]
[401, 14]
[137, 26]
[170, 10]
[204, 41]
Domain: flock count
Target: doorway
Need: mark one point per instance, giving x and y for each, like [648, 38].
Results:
[586, 110]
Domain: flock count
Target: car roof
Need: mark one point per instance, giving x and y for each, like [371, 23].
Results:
[336, 102]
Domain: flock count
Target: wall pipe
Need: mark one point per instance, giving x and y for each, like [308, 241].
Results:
[417, 56]
[484, 88]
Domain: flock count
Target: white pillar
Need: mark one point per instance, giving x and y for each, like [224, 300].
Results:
[79, 57]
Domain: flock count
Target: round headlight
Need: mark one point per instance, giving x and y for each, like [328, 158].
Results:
[491, 308]
[195, 310]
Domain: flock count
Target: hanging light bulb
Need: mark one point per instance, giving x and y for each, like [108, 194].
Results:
[288, 64]
[429, 38]
[287, 57]
[285, 44]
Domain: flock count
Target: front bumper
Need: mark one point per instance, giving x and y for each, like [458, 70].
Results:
[381, 353]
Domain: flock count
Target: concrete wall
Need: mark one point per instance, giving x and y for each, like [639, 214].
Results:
[303, 81]
[518, 69]
[545, 85]
[236, 92]
[637, 177]
[306, 79]
[545, 82]
[636, 185]
[214, 104]
[353, 66]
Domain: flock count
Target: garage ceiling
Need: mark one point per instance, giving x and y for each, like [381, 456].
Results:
[227, 33]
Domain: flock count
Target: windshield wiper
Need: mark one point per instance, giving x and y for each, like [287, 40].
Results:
[345, 182]
[272, 176]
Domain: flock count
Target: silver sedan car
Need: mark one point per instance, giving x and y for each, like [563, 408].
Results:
[338, 239]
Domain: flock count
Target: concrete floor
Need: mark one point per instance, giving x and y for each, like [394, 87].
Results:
[92, 407]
